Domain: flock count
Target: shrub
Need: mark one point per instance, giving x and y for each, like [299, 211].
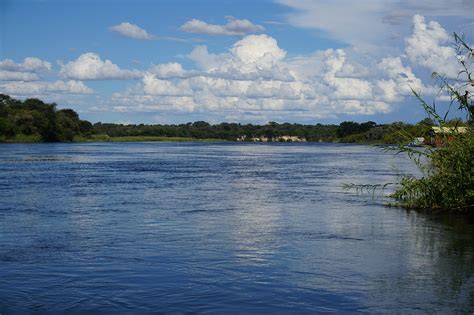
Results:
[449, 184]
[448, 181]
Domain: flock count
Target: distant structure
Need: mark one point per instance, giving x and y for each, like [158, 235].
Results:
[273, 139]
[440, 135]
[289, 139]
[417, 142]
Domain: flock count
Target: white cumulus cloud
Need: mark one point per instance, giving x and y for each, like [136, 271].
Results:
[251, 58]
[256, 80]
[17, 76]
[234, 27]
[168, 70]
[429, 46]
[262, 50]
[254, 76]
[399, 80]
[45, 88]
[131, 30]
[29, 64]
[154, 86]
[344, 88]
[90, 66]
[29, 70]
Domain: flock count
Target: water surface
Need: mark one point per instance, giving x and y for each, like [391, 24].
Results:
[219, 228]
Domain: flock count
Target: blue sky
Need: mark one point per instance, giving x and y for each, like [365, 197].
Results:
[239, 61]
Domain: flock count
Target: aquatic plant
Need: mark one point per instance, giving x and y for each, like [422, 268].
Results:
[447, 183]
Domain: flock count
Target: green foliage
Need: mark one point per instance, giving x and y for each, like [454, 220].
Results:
[34, 121]
[447, 184]
[347, 128]
[403, 134]
[91, 138]
[223, 131]
[394, 133]
[347, 132]
[21, 138]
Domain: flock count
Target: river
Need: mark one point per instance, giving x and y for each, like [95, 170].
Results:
[220, 228]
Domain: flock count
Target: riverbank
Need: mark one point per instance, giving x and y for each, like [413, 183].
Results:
[105, 138]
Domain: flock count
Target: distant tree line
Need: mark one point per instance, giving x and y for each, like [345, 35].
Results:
[347, 131]
[33, 120]
[223, 131]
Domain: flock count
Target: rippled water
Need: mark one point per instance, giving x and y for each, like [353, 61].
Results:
[240, 228]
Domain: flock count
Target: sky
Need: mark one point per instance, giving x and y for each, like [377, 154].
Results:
[167, 62]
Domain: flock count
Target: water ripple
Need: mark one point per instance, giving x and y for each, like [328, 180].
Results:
[219, 228]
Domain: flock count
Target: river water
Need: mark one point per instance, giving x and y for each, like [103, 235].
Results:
[220, 228]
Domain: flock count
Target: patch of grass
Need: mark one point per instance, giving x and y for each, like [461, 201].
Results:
[21, 138]
[93, 138]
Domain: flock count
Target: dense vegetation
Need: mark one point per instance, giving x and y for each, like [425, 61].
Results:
[347, 131]
[33, 121]
[223, 131]
[447, 184]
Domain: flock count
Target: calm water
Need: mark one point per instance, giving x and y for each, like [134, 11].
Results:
[219, 228]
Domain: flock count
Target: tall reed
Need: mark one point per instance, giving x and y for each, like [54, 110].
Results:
[448, 183]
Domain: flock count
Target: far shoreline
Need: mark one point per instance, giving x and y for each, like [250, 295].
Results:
[132, 139]
[105, 138]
